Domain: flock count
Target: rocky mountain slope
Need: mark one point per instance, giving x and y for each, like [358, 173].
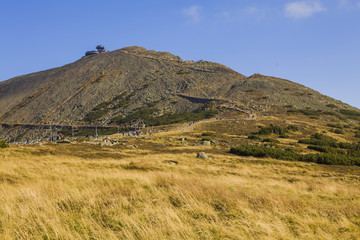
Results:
[133, 84]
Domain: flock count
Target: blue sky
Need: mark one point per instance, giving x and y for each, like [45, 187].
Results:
[313, 42]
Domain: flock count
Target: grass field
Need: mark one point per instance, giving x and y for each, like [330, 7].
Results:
[160, 190]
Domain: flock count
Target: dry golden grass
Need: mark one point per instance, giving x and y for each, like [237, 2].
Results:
[162, 191]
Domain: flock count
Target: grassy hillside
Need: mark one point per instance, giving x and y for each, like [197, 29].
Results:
[154, 187]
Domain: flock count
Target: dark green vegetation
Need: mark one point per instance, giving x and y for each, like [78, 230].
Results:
[3, 144]
[146, 115]
[291, 155]
[313, 113]
[100, 110]
[271, 140]
[330, 150]
[272, 129]
[341, 114]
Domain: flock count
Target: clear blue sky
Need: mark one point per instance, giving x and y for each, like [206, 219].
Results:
[313, 42]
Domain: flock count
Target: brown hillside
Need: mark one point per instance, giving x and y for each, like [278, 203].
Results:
[134, 82]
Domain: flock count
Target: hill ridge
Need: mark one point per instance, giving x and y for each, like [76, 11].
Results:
[135, 84]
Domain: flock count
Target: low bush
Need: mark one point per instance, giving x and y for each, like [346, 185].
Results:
[207, 134]
[351, 113]
[334, 125]
[291, 155]
[337, 131]
[319, 139]
[146, 114]
[331, 105]
[324, 149]
[3, 144]
[272, 129]
[254, 137]
[206, 139]
[270, 140]
[95, 114]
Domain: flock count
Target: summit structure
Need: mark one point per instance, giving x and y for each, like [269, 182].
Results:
[100, 49]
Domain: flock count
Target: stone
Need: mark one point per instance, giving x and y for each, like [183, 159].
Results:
[206, 143]
[203, 156]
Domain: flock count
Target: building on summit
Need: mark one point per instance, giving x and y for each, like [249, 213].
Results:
[100, 49]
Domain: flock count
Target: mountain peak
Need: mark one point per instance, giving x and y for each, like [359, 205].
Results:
[135, 84]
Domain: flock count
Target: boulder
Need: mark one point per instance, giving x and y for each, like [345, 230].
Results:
[206, 143]
[203, 156]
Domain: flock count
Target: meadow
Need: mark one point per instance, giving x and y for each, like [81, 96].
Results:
[158, 189]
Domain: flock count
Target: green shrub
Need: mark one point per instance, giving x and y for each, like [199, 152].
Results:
[146, 114]
[101, 105]
[351, 113]
[319, 139]
[261, 151]
[284, 136]
[326, 149]
[334, 125]
[291, 155]
[357, 134]
[337, 131]
[206, 139]
[120, 96]
[207, 134]
[331, 105]
[95, 114]
[254, 137]
[272, 129]
[3, 144]
[271, 140]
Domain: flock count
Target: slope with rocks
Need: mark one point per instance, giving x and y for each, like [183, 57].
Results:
[133, 83]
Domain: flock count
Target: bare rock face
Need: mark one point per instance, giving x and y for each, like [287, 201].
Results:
[203, 156]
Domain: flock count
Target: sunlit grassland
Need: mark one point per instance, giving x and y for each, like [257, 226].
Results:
[49, 193]
[160, 190]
